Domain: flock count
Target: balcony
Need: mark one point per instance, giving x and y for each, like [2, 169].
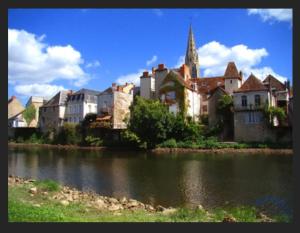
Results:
[250, 107]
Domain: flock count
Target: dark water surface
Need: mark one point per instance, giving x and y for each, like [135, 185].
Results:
[166, 179]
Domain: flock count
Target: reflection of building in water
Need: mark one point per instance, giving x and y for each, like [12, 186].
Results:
[60, 173]
[120, 179]
[192, 184]
[33, 165]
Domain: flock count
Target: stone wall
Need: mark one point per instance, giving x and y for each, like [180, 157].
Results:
[122, 102]
[259, 132]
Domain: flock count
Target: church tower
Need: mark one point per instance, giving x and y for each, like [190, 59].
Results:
[191, 56]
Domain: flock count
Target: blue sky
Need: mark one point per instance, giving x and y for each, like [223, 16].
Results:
[54, 49]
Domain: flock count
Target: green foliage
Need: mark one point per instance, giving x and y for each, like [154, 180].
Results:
[170, 143]
[274, 112]
[47, 185]
[29, 114]
[225, 107]
[129, 138]
[21, 209]
[180, 92]
[93, 141]
[150, 120]
[204, 119]
[68, 135]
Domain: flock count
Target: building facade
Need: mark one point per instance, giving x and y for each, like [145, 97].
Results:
[79, 104]
[15, 110]
[52, 113]
[37, 102]
[113, 105]
[250, 100]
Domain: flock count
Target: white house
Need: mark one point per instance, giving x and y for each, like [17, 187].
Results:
[79, 104]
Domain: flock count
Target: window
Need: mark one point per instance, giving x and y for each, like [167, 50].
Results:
[230, 81]
[45, 109]
[171, 95]
[253, 117]
[244, 101]
[257, 100]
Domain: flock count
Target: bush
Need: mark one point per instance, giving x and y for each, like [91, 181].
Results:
[129, 138]
[170, 143]
[93, 141]
[68, 135]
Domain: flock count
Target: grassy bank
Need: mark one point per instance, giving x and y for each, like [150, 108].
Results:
[36, 201]
[166, 149]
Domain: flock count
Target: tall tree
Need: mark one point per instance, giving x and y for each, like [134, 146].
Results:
[29, 114]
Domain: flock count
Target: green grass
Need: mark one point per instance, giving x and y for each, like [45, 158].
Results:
[47, 185]
[21, 208]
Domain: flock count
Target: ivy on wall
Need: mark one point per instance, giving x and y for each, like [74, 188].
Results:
[178, 88]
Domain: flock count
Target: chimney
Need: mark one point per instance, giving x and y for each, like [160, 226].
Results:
[153, 71]
[161, 66]
[13, 97]
[114, 86]
[145, 74]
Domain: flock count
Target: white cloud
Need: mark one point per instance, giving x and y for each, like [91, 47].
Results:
[131, 78]
[151, 61]
[158, 12]
[214, 57]
[44, 90]
[93, 64]
[281, 15]
[31, 61]
[263, 72]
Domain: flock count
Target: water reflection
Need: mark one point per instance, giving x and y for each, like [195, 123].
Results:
[171, 180]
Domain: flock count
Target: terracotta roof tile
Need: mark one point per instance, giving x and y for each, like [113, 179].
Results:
[274, 82]
[252, 84]
[231, 71]
[207, 85]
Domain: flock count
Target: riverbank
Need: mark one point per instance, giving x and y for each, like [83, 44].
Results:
[47, 201]
[271, 151]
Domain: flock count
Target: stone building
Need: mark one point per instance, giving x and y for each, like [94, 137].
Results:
[79, 104]
[37, 102]
[15, 109]
[113, 105]
[52, 113]
[250, 100]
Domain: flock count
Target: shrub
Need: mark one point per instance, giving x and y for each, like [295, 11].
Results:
[129, 138]
[170, 143]
[68, 135]
[93, 141]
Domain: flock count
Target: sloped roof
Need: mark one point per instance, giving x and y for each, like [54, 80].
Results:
[207, 85]
[221, 89]
[252, 84]
[274, 82]
[184, 83]
[58, 99]
[231, 71]
[86, 91]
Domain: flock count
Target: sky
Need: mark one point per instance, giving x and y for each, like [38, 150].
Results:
[55, 49]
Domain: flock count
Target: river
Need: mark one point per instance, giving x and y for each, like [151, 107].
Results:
[212, 180]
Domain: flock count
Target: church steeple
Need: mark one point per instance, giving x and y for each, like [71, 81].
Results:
[191, 56]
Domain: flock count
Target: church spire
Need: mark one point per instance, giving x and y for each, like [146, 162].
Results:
[191, 56]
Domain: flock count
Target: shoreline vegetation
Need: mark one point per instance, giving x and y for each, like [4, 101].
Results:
[47, 201]
[150, 127]
[273, 151]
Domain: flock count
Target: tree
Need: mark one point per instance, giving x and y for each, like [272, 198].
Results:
[225, 104]
[150, 120]
[29, 114]
[271, 113]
